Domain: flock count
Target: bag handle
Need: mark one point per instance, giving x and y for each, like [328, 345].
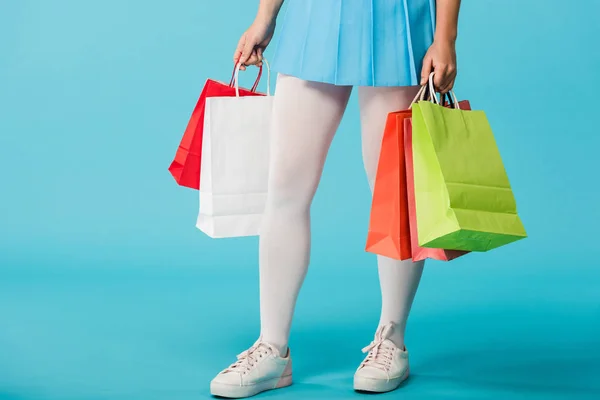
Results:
[235, 78]
[447, 99]
[434, 98]
[420, 96]
[427, 93]
[232, 80]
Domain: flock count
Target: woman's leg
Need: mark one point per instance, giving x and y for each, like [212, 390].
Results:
[398, 279]
[306, 116]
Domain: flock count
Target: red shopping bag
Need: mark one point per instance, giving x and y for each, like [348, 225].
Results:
[185, 168]
[389, 231]
[421, 253]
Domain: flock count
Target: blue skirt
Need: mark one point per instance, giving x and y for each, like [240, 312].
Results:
[355, 42]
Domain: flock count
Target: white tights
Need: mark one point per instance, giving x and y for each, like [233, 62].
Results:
[306, 116]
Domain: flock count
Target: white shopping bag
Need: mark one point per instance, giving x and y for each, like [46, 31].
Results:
[235, 163]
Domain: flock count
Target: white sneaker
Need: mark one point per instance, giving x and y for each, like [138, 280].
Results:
[257, 369]
[385, 367]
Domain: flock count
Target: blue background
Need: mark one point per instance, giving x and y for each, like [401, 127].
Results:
[107, 290]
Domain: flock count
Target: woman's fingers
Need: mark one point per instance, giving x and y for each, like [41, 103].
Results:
[254, 58]
[444, 78]
[448, 81]
[246, 54]
[450, 78]
[444, 90]
[448, 87]
[249, 56]
[441, 59]
[426, 70]
[439, 79]
[259, 53]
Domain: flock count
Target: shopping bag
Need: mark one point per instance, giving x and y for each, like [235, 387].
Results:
[463, 196]
[421, 253]
[235, 164]
[185, 167]
[389, 232]
[390, 228]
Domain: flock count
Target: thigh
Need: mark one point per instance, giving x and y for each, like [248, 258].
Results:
[306, 116]
[375, 104]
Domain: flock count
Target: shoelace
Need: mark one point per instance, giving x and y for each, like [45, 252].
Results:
[380, 354]
[248, 359]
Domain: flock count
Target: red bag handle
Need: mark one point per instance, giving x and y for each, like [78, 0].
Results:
[255, 86]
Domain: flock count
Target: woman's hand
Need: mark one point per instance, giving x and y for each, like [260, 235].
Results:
[441, 59]
[253, 43]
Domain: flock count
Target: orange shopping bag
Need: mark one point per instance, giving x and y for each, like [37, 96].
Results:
[389, 231]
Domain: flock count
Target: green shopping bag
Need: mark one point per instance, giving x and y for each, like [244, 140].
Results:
[463, 196]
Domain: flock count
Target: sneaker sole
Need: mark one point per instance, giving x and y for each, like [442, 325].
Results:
[379, 385]
[239, 392]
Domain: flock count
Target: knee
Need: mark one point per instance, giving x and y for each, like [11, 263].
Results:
[290, 192]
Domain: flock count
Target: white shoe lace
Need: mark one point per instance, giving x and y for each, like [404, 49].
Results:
[249, 358]
[380, 353]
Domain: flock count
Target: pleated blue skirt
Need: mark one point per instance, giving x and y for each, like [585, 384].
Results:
[355, 42]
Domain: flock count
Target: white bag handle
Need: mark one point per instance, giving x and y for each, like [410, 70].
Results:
[236, 81]
[420, 96]
[434, 98]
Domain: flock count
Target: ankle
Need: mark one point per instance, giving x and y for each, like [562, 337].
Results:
[397, 334]
[281, 347]
[283, 350]
[398, 341]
